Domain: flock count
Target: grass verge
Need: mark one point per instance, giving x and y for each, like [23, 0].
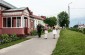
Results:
[13, 43]
[70, 43]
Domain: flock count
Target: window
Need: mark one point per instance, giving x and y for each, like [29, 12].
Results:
[4, 22]
[18, 21]
[12, 22]
[8, 21]
[25, 21]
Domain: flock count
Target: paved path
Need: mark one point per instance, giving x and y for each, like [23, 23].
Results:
[34, 46]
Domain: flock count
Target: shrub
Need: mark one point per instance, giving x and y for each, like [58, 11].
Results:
[0, 40]
[49, 30]
[5, 38]
[14, 37]
[84, 30]
[42, 32]
[34, 32]
[77, 30]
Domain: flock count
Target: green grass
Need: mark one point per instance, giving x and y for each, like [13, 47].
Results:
[13, 43]
[70, 43]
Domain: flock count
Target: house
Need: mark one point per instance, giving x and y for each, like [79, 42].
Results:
[20, 21]
[38, 20]
[15, 20]
[81, 26]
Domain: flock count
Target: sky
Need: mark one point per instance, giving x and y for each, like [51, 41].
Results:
[53, 7]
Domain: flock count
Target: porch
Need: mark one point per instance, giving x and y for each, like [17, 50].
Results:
[15, 25]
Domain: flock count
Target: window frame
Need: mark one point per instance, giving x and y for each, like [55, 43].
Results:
[11, 22]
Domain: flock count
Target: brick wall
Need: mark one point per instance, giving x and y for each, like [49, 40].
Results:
[0, 22]
[13, 31]
[0, 19]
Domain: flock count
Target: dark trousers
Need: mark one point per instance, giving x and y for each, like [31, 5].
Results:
[39, 34]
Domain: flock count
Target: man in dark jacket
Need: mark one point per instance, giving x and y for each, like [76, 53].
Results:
[39, 30]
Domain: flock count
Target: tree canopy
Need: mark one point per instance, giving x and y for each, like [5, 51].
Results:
[75, 26]
[63, 19]
[51, 21]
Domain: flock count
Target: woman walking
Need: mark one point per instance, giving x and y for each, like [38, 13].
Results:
[54, 32]
[46, 33]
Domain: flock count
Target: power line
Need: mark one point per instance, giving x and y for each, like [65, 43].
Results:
[77, 8]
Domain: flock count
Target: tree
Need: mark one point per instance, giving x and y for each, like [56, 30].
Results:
[51, 21]
[75, 26]
[63, 19]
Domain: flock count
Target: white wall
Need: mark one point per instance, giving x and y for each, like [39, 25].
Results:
[26, 12]
[37, 21]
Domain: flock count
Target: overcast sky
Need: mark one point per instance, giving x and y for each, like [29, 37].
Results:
[51, 7]
[54, 7]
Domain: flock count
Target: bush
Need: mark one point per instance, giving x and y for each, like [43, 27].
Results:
[0, 41]
[42, 32]
[77, 30]
[5, 38]
[34, 32]
[49, 30]
[84, 30]
[14, 37]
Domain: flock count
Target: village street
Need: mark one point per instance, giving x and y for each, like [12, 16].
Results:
[34, 46]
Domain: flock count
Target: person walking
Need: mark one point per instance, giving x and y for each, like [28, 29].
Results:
[54, 32]
[46, 32]
[39, 30]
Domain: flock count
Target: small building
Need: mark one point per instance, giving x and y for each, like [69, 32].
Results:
[81, 26]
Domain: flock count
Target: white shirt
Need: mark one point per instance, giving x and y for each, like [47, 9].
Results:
[46, 31]
[54, 31]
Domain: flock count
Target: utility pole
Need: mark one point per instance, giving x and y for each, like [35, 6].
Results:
[69, 9]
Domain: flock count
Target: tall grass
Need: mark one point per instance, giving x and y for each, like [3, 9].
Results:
[70, 43]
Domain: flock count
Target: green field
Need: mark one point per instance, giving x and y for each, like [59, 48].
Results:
[70, 43]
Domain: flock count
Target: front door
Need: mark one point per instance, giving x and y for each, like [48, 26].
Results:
[25, 23]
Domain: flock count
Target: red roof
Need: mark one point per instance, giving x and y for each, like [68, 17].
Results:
[37, 17]
[44, 17]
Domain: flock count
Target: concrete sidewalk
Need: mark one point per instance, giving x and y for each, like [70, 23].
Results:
[34, 46]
